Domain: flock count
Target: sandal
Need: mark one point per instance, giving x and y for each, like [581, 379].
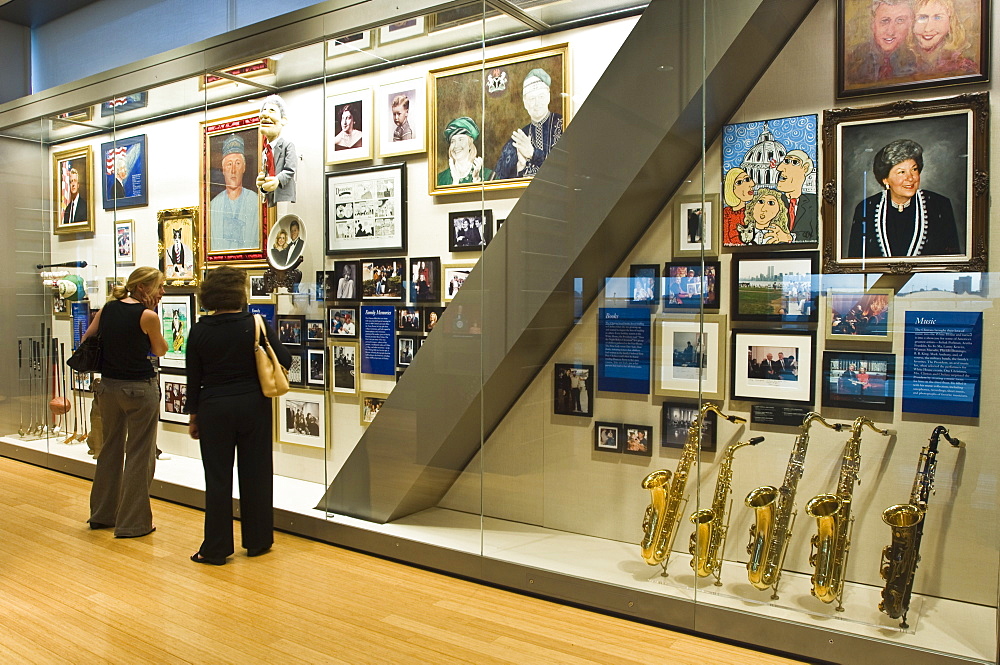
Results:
[198, 558]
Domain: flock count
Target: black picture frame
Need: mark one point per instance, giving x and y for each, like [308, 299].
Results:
[779, 287]
[315, 367]
[297, 370]
[409, 319]
[644, 284]
[431, 317]
[425, 279]
[343, 283]
[383, 279]
[787, 376]
[342, 323]
[376, 221]
[859, 380]
[406, 350]
[315, 332]
[691, 284]
[608, 437]
[675, 421]
[637, 440]
[291, 329]
[469, 230]
[569, 399]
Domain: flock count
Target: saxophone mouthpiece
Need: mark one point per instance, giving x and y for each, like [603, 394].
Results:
[888, 432]
[736, 419]
[754, 441]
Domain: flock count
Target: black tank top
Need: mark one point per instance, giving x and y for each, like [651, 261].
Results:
[126, 347]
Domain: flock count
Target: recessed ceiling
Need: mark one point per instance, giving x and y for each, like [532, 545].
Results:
[34, 13]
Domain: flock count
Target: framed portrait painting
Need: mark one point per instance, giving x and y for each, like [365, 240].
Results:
[573, 392]
[772, 367]
[301, 418]
[675, 421]
[349, 119]
[173, 399]
[691, 284]
[177, 312]
[402, 117]
[608, 437]
[525, 92]
[344, 370]
[425, 279]
[124, 183]
[235, 226]
[689, 355]
[124, 242]
[775, 287]
[178, 246]
[696, 220]
[769, 182]
[859, 380]
[469, 231]
[907, 186]
[859, 315]
[888, 47]
[72, 202]
[366, 210]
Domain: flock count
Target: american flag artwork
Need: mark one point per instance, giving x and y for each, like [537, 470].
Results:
[64, 179]
[111, 156]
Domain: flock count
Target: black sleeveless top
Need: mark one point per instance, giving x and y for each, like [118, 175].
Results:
[126, 347]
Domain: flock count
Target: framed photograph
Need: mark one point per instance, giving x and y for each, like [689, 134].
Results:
[644, 284]
[291, 329]
[110, 283]
[406, 348]
[178, 246]
[344, 358]
[285, 242]
[573, 393]
[342, 322]
[904, 46]
[366, 210]
[371, 403]
[124, 242]
[81, 381]
[773, 367]
[352, 43]
[859, 315]
[775, 287]
[136, 100]
[173, 399]
[315, 367]
[72, 205]
[608, 437]
[638, 440]
[676, 419]
[409, 319]
[402, 117]
[425, 279]
[349, 117]
[859, 380]
[315, 333]
[469, 231]
[296, 375]
[691, 285]
[177, 314]
[697, 224]
[301, 418]
[454, 277]
[382, 279]
[431, 316]
[259, 292]
[769, 182]
[907, 186]
[526, 92]
[342, 281]
[235, 229]
[411, 27]
[60, 307]
[124, 184]
[248, 70]
[689, 356]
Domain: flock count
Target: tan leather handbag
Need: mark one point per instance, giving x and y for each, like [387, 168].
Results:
[273, 377]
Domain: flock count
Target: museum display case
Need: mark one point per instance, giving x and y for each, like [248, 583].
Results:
[669, 309]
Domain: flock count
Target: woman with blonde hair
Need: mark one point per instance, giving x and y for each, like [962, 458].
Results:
[737, 190]
[129, 399]
[766, 220]
[940, 40]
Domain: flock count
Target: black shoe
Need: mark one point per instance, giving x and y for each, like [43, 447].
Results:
[98, 525]
[198, 558]
[138, 535]
[257, 551]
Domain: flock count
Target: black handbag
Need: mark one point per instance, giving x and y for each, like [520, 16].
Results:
[88, 356]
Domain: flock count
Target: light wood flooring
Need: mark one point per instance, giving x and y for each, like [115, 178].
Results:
[72, 595]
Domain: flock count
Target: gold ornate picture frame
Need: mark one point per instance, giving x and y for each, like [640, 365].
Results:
[180, 257]
[72, 191]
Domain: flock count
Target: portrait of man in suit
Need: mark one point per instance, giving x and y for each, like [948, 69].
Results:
[75, 211]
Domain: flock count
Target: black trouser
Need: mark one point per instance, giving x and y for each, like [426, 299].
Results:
[240, 425]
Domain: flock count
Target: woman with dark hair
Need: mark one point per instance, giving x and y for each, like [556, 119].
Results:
[229, 415]
[350, 134]
[903, 219]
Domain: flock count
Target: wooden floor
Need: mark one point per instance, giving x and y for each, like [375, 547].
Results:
[72, 595]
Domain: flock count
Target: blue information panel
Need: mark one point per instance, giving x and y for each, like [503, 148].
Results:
[80, 311]
[377, 325]
[267, 311]
[623, 344]
[942, 368]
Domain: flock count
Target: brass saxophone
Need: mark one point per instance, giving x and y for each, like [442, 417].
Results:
[663, 514]
[708, 542]
[774, 509]
[831, 544]
[899, 559]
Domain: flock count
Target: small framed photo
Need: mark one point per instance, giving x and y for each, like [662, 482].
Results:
[431, 316]
[177, 314]
[573, 393]
[455, 275]
[402, 117]
[406, 348]
[411, 27]
[676, 420]
[349, 115]
[342, 322]
[382, 279]
[173, 399]
[343, 282]
[775, 287]
[371, 403]
[644, 284]
[366, 210]
[425, 279]
[859, 315]
[81, 381]
[60, 307]
[291, 329]
[124, 242]
[691, 285]
[73, 207]
[696, 221]
[110, 283]
[296, 376]
[683, 344]
[409, 319]
[352, 43]
[178, 247]
[773, 367]
[469, 231]
[316, 367]
[259, 293]
[638, 440]
[124, 182]
[608, 437]
[344, 360]
[859, 380]
[315, 334]
[301, 418]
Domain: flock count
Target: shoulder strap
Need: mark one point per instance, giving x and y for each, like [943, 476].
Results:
[258, 324]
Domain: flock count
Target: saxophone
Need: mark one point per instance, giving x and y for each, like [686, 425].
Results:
[899, 559]
[775, 516]
[832, 542]
[659, 524]
[708, 542]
